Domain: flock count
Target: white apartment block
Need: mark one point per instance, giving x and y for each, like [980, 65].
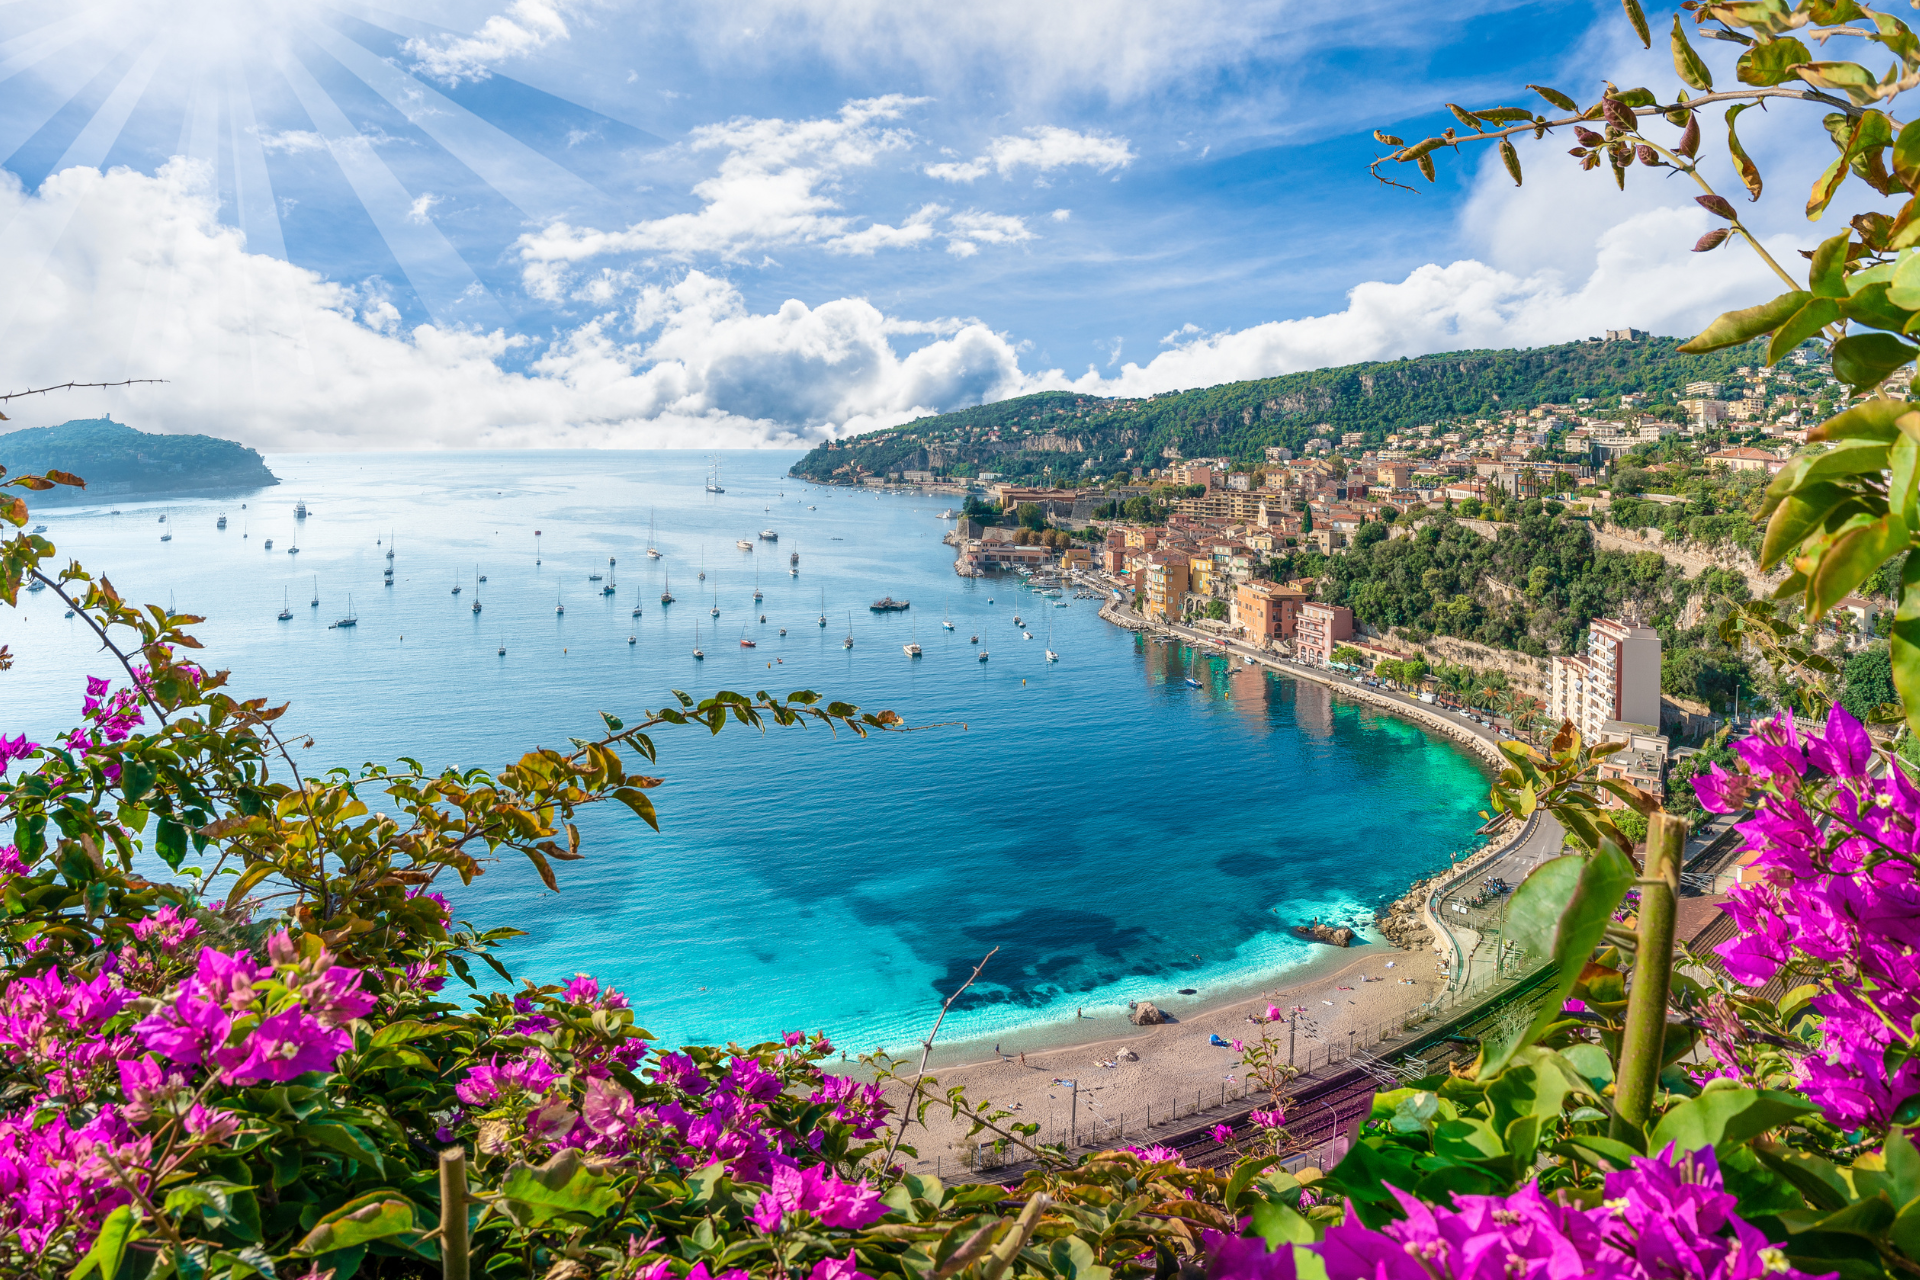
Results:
[1616, 679]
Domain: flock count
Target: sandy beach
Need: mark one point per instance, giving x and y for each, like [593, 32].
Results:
[1134, 1082]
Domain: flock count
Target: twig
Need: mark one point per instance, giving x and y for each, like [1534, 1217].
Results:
[110, 646]
[75, 386]
[926, 1051]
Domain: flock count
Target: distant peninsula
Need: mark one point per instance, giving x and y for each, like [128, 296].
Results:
[118, 462]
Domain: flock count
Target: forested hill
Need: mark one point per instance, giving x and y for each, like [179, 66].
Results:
[1062, 431]
[116, 461]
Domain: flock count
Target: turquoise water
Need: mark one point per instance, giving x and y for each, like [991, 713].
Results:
[1115, 832]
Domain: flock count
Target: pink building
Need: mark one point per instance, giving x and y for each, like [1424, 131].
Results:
[1319, 629]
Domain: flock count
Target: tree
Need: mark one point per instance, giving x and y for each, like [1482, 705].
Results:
[1868, 682]
[1030, 516]
[1347, 656]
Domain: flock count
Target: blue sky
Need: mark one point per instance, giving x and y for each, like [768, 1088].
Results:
[574, 222]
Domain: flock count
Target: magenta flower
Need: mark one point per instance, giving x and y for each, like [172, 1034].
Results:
[1268, 1119]
[847, 1268]
[1244, 1258]
[167, 929]
[1222, 1133]
[10, 861]
[15, 748]
[290, 1043]
[1156, 1154]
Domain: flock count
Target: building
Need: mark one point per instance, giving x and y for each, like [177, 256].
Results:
[1394, 475]
[1616, 679]
[1641, 763]
[1625, 335]
[1743, 458]
[1267, 611]
[1166, 584]
[1709, 389]
[1195, 472]
[1320, 629]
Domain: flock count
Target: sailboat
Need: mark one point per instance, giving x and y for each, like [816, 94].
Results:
[612, 583]
[168, 535]
[703, 564]
[456, 587]
[795, 557]
[653, 552]
[911, 648]
[696, 639]
[350, 620]
[756, 583]
[1051, 655]
[286, 609]
[945, 621]
[713, 476]
[715, 611]
[745, 643]
[666, 592]
[848, 642]
[503, 646]
[477, 580]
[636, 611]
[823, 606]
[559, 605]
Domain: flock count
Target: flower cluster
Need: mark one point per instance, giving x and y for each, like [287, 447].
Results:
[1839, 894]
[57, 1177]
[15, 748]
[250, 1023]
[55, 1025]
[1663, 1217]
[818, 1193]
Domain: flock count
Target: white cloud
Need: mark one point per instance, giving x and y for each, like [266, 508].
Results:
[962, 248]
[771, 190]
[291, 141]
[422, 206]
[917, 229]
[965, 229]
[1061, 215]
[1043, 150]
[135, 273]
[526, 26]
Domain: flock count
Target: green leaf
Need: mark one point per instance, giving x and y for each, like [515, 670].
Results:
[1828, 276]
[1849, 78]
[1906, 156]
[1639, 21]
[1278, 1225]
[1905, 645]
[1904, 289]
[1511, 159]
[1617, 1154]
[1727, 1116]
[532, 1194]
[1850, 557]
[1772, 62]
[1749, 171]
[170, 842]
[1556, 97]
[109, 1247]
[1798, 516]
[1863, 360]
[401, 1032]
[1736, 327]
[136, 779]
[1801, 325]
[1561, 910]
[1686, 62]
[1870, 308]
[375, 1216]
[1870, 420]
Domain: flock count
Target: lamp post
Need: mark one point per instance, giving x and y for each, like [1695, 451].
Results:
[1073, 1111]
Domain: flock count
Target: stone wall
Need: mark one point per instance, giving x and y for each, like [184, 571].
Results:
[1528, 674]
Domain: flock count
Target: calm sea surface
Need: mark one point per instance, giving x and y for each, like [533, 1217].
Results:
[1117, 833]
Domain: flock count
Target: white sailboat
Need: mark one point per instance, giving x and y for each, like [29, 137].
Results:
[713, 476]
[315, 602]
[653, 552]
[945, 621]
[559, 605]
[848, 642]
[823, 607]
[477, 580]
[350, 620]
[696, 639]
[286, 609]
[666, 591]
[1051, 655]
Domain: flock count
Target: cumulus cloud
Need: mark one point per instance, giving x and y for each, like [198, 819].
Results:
[420, 210]
[133, 275]
[771, 190]
[1042, 149]
[291, 141]
[1641, 274]
[525, 27]
[1061, 215]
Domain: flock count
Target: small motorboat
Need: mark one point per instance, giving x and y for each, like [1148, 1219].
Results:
[1052, 656]
[631, 639]
[783, 631]
[1026, 635]
[911, 649]
[983, 655]
[747, 644]
[743, 544]
[293, 551]
[973, 639]
[1195, 683]
[769, 535]
[763, 617]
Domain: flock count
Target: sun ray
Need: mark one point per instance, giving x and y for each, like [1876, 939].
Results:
[63, 81]
[440, 277]
[529, 181]
[255, 210]
[91, 145]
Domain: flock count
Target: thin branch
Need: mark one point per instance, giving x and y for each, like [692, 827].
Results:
[108, 644]
[75, 386]
[926, 1051]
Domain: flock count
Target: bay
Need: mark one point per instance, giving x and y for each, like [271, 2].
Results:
[1116, 833]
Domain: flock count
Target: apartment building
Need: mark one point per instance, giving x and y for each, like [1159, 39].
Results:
[1320, 629]
[1617, 679]
[1166, 584]
[1267, 610]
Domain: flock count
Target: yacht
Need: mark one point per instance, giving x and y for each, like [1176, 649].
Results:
[477, 580]
[911, 648]
[456, 588]
[715, 611]
[949, 514]
[503, 646]
[743, 544]
[636, 611]
[631, 640]
[350, 620]
[848, 642]
[162, 519]
[763, 618]
[293, 551]
[315, 602]
[221, 523]
[666, 592]
[611, 588]
[300, 510]
[696, 639]
[559, 605]
[973, 639]
[983, 655]
[286, 609]
[746, 643]
[794, 558]
[653, 552]
[713, 477]
[168, 537]
[268, 544]
[768, 535]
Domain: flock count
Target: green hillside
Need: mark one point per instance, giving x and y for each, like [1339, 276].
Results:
[116, 461]
[1239, 419]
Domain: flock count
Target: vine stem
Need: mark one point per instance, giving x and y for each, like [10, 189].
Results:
[926, 1052]
[1646, 1025]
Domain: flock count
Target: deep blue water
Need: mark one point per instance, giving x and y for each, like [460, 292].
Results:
[1115, 832]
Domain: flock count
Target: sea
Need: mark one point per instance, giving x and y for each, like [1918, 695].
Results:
[1102, 828]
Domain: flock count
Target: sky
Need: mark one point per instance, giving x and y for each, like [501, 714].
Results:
[551, 223]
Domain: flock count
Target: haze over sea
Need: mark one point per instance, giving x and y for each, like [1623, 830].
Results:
[1117, 833]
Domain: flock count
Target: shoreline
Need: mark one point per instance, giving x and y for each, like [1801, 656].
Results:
[1048, 1044]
